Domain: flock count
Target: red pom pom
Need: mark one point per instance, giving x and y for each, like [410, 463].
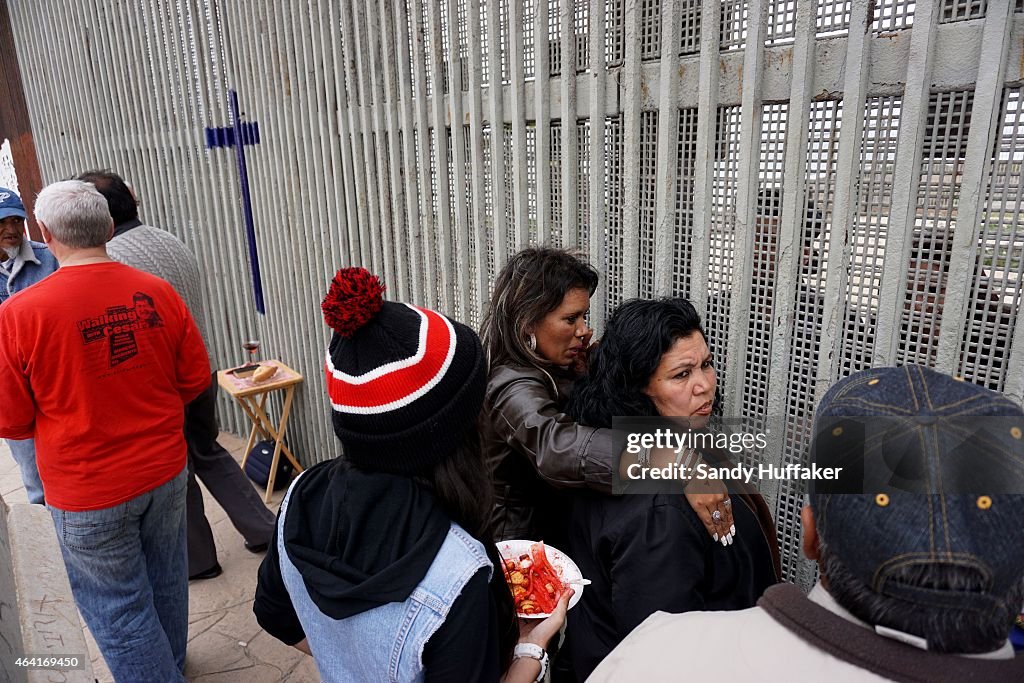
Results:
[354, 298]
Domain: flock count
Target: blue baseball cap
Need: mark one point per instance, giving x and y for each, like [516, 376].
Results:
[10, 204]
[953, 453]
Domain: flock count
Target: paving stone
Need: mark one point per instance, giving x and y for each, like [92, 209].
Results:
[239, 622]
[8, 465]
[38, 616]
[213, 653]
[259, 673]
[12, 489]
[266, 648]
[304, 671]
[99, 665]
[199, 624]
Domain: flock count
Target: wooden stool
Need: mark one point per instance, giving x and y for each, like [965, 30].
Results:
[252, 396]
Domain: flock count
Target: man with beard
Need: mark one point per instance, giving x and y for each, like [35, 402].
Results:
[22, 263]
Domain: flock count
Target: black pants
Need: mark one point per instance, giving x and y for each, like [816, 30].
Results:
[222, 476]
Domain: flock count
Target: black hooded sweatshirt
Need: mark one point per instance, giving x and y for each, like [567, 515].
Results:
[361, 540]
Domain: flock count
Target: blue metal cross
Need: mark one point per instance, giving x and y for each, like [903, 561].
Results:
[238, 135]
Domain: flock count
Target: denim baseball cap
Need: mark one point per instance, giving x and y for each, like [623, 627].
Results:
[10, 204]
[948, 429]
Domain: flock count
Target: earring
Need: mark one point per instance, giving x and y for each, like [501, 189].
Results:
[532, 342]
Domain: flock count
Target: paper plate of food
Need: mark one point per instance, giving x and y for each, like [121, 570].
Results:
[537, 574]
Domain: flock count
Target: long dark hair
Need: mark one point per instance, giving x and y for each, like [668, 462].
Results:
[637, 335]
[531, 285]
[463, 487]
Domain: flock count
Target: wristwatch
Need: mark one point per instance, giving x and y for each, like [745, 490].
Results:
[533, 651]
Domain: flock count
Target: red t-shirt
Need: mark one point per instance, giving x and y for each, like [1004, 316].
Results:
[97, 363]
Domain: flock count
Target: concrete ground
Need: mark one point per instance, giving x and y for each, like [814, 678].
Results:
[225, 643]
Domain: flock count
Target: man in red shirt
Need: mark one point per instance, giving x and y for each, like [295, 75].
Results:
[102, 389]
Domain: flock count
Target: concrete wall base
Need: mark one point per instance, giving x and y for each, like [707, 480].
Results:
[38, 616]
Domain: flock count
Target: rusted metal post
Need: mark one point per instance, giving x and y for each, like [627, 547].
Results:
[14, 121]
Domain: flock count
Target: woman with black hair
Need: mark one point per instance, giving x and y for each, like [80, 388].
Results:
[648, 551]
[382, 565]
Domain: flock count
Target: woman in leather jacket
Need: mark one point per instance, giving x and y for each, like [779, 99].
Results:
[646, 551]
[536, 338]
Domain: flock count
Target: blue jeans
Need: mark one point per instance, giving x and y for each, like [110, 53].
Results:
[24, 453]
[129, 575]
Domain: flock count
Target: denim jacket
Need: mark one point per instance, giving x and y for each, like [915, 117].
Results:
[385, 643]
[32, 264]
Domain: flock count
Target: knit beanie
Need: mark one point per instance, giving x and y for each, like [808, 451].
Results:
[405, 383]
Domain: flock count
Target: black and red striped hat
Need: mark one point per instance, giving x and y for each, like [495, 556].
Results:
[405, 383]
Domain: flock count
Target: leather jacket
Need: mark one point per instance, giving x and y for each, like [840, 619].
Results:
[533, 449]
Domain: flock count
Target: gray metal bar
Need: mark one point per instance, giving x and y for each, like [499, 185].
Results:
[442, 242]
[409, 159]
[597, 117]
[668, 148]
[703, 182]
[497, 121]
[631, 153]
[542, 101]
[356, 131]
[519, 162]
[399, 219]
[985, 123]
[476, 123]
[461, 222]
[902, 215]
[789, 246]
[570, 139]
[373, 24]
[746, 201]
[425, 240]
[345, 186]
[844, 203]
[366, 107]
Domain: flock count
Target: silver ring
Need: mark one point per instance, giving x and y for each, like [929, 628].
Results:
[727, 502]
[716, 515]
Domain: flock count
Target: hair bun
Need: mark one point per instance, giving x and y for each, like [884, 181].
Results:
[354, 298]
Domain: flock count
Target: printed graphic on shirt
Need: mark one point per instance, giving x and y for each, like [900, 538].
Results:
[119, 325]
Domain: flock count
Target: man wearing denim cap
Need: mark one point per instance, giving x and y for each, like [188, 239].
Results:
[22, 263]
[914, 586]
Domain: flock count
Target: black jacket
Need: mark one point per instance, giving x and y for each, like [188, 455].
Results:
[535, 451]
[645, 553]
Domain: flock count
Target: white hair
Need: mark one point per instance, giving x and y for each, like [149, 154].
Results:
[75, 213]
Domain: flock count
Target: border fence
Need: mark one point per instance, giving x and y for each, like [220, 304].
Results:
[798, 169]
